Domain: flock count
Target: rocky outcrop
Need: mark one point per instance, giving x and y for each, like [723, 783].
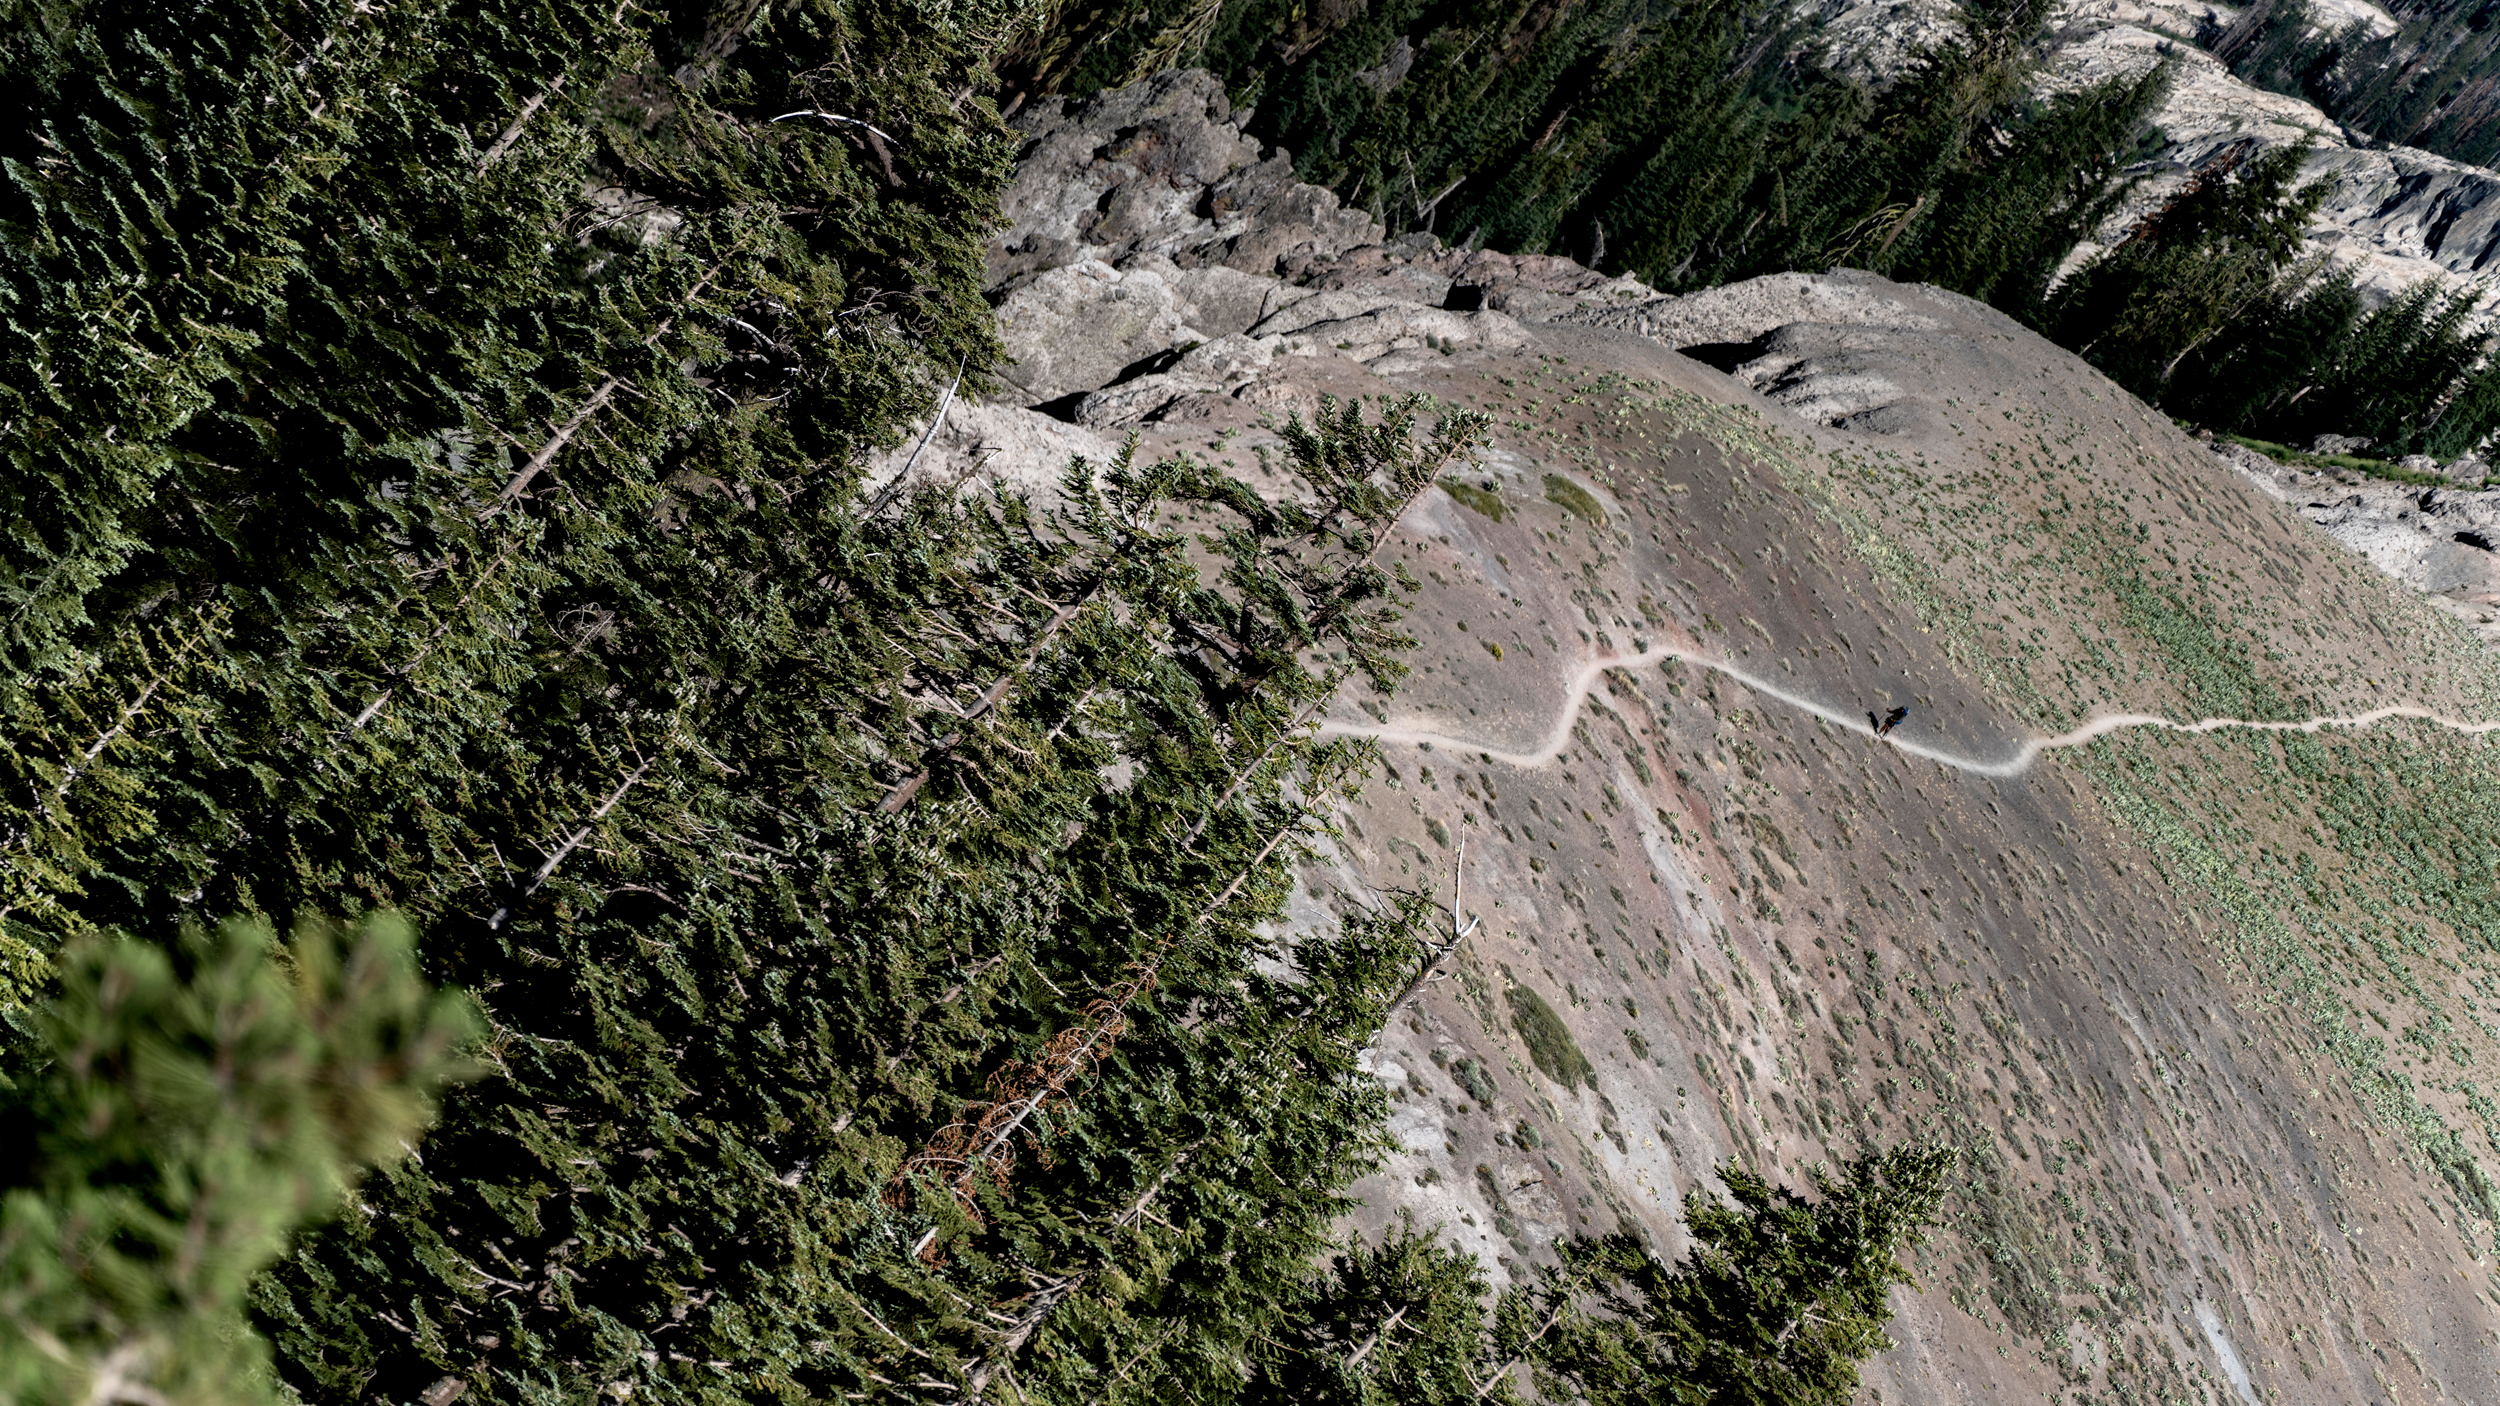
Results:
[2394, 215]
[2440, 541]
[1834, 348]
[1162, 172]
[1158, 261]
[1163, 271]
[1163, 167]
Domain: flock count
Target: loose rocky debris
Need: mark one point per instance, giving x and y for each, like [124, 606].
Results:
[2440, 541]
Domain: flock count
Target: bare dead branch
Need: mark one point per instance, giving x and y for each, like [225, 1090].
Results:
[547, 452]
[512, 133]
[573, 842]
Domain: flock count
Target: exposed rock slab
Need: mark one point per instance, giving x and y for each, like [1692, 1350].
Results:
[2439, 541]
[1163, 167]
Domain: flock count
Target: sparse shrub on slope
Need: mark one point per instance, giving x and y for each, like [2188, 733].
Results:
[1548, 1039]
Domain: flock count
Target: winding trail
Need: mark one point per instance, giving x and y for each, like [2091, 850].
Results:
[1585, 681]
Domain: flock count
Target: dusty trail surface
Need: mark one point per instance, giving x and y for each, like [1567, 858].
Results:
[2107, 981]
[1585, 681]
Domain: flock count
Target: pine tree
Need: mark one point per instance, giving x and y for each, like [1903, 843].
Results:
[1398, 1323]
[2389, 375]
[2041, 181]
[188, 1108]
[1778, 1303]
[2268, 358]
[439, 431]
[2214, 253]
[992, 1032]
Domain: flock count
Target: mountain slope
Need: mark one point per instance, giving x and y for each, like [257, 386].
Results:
[2210, 1016]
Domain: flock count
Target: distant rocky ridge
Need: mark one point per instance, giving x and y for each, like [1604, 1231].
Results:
[1162, 271]
[2397, 216]
[2437, 540]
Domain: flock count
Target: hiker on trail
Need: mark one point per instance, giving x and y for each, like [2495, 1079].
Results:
[1890, 721]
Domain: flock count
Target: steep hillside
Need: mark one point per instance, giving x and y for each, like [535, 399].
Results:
[2211, 1015]
[2397, 215]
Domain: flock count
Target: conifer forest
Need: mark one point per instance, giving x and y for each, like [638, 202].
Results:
[528, 875]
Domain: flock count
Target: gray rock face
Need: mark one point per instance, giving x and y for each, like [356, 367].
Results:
[2439, 541]
[1143, 221]
[1835, 348]
[1077, 327]
[1162, 167]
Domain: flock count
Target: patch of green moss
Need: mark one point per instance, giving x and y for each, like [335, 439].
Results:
[1482, 500]
[1550, 1046]
[1575, 500]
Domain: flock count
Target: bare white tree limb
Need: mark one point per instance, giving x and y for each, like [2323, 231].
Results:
[834, 117]
[573, 842]
[903, 475]
[512, 133]
[547, 453]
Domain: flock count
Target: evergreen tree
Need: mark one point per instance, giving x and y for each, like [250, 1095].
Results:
[2043, 181]
[1695, 143]
[2280, 45]
[2217, 250]
[2426, 83]
[2387, 378]
[1400, 1323]
[1778, 1303]
[2469, 418]
[2267, 358]
[189, 1107]
[991, 1034]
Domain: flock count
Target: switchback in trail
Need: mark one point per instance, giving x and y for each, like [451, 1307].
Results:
[2014, 764]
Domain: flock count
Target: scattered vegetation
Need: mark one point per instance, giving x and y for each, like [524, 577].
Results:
[1486, 500]
[1575, 500]
[1550, 1046]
